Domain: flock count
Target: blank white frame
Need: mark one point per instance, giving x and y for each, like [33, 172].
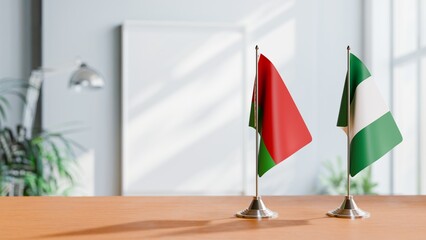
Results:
[129, 26]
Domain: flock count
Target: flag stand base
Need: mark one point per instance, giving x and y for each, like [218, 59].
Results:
[348, 209]
[257, 209]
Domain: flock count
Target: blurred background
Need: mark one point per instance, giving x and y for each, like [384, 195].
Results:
[164, 101]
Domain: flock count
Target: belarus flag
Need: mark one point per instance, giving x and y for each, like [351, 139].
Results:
[281, 126]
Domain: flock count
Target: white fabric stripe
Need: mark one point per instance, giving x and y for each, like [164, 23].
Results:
[367, 106]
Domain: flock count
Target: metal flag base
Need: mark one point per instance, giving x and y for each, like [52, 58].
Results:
[348, 209]
[257, 209]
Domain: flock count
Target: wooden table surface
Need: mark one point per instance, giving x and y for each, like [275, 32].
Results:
[392, 217]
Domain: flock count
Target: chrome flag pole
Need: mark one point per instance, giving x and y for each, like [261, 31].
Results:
[256, 119]
[348, 209]
[257, 208]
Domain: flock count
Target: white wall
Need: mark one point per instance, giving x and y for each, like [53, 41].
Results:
[15, 47]
[305, 39]
[340, 23]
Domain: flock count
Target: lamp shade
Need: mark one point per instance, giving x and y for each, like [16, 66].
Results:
[86, 77]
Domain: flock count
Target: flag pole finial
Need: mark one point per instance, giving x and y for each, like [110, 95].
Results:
[348, 48]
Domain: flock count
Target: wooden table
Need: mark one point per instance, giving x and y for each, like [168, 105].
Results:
[392, 217]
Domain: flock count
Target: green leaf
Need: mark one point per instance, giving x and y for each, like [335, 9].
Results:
[47, 161]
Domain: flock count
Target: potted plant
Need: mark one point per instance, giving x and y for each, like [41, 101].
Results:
[33, 166]
[333, 180]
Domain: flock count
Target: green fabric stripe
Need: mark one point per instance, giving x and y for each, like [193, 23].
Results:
[374, 141]
[265, 160]
[359, 73]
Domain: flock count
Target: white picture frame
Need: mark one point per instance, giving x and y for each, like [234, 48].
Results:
[184, 109]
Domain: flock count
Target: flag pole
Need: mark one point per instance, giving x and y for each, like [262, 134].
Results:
[257, 208]
[348, 181]
[348, 208]
[256, 107]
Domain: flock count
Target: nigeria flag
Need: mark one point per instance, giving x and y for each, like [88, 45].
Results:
[373, 131]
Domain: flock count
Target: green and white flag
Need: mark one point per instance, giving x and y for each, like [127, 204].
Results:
[373, 130]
